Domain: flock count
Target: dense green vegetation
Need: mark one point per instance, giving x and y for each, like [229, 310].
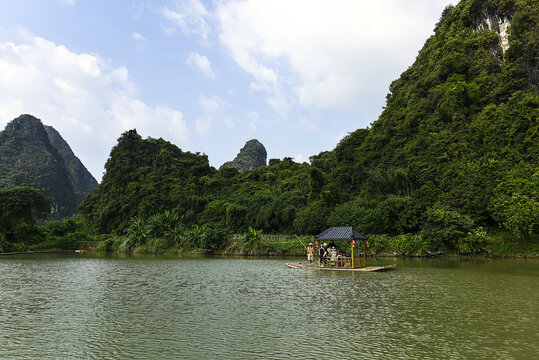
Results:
[83, 182]
[452, 160]
[451, 164]
[36, 156]
[26, 225]
[458, 123]
[19, 207]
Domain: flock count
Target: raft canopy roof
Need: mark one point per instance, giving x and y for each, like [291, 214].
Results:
[340, 233]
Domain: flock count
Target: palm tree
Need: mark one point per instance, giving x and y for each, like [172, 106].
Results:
[138, 231]
[253, 236]
[195, 235]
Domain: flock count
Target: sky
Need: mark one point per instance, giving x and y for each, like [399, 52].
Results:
[298, 75]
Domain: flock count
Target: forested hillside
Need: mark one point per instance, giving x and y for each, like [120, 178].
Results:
[458, 131]
[454, 151]
[36, 156]
[146, 177]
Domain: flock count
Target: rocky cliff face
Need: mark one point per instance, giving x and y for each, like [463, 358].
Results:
[511, 21]
[253, 155]
[83, 182]
[490, 20]
[36, 156]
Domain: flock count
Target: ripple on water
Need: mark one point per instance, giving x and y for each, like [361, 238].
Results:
[73, 307]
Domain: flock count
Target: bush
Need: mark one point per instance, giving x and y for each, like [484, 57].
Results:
[195, 236]
[155, 246]
[27, 233]
[253, 236]
[406, 244]
[409, 244]
[69, 242]
[110, 243]
[4, 246]
[287, 247]
[51, 242]
[18, 247]
[516, 205]
[215, 237]
[444, 227]
[474, 242]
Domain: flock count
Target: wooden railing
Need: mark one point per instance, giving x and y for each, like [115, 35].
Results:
[342, 261]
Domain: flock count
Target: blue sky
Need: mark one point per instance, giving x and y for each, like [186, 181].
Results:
[298, 75]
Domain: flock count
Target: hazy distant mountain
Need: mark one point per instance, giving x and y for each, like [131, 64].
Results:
[251, 156]
[35, 155]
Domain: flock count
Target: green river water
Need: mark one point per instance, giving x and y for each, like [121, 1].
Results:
[81, 306]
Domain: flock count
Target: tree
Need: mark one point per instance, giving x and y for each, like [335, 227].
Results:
[22, 204]
[459, 119]
[516, 205]
[444, 227]
[19, 207]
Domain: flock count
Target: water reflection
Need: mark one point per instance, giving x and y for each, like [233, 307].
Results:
[71, 306]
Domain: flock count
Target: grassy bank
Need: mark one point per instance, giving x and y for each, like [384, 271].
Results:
[161, 235]
[408, 245]
[479, 243]
[242, 246]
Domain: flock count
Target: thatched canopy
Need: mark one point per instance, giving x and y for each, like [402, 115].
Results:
[340, 233]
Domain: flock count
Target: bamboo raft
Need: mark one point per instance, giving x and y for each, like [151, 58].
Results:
[313, 266]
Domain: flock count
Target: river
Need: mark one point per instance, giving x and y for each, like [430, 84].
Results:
[63, 306]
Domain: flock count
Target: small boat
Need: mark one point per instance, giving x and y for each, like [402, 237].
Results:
[341, 259]
[300, 265]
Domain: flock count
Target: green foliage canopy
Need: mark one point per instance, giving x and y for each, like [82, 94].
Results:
[455, 148]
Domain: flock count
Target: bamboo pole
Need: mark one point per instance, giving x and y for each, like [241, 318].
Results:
[352, 253]
[364, 255]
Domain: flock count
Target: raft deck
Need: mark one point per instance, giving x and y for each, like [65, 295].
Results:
[313, 266]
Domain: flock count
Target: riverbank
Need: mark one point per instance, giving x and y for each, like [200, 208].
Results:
[288, 245]
[50, 251]
[408, 245]
[265, 253]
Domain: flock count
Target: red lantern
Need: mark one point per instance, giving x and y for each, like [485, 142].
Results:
[316, 243]
[353, 243]
[367, 243]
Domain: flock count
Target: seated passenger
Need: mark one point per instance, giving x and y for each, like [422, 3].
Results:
[333, 253]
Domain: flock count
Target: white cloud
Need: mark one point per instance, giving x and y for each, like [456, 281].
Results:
[214, 109]
[324, 53]
[201, 63]
[89, 102]
[136, 36]
[211, 105]
[190, 17]
[140, 41]
[299, 158]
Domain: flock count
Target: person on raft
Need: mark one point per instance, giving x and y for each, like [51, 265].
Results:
[323, 251]
[310, 253]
